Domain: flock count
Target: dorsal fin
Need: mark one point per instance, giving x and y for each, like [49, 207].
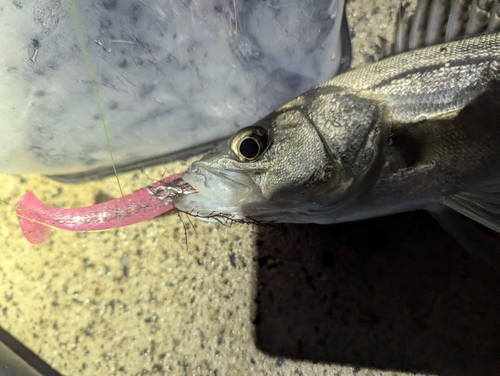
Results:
[438, 21]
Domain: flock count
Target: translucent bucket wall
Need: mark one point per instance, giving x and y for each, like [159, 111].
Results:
[172, 77]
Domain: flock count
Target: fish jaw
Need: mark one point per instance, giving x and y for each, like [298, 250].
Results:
[228, 195]
[220, 193]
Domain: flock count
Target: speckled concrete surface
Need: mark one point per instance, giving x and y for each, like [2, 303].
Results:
[378, 297]
[137, 300]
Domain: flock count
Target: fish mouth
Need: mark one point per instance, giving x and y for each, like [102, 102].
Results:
[221, 192]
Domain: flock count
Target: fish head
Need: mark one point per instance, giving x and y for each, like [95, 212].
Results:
[280, 169]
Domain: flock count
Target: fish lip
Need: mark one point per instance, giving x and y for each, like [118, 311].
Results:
[226, 187]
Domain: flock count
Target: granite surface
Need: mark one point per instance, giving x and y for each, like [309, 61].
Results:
[179, 296]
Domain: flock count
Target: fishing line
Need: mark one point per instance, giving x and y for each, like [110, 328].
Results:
[90, 72]
[83, 48]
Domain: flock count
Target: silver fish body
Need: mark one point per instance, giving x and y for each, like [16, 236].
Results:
[413, 131]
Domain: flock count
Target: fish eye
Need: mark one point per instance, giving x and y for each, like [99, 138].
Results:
[250, 143]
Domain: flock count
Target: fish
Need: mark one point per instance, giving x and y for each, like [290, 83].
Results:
[416, 130]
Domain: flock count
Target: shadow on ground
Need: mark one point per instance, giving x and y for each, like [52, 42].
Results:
[391, 293]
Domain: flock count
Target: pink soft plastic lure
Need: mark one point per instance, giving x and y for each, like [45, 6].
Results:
[36, 218]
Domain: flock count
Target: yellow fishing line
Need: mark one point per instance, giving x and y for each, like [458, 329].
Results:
[90, 72]
[2, 208]
[22, 216]
[6, 202]
[83, 48]
[46, 224]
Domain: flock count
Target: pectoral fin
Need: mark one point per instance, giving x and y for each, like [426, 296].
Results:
[476, 206]
[480, 203]
[478, 240]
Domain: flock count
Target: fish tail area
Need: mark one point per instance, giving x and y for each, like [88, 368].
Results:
[481, 203]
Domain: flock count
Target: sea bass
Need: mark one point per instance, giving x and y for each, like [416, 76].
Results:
[419, 130]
